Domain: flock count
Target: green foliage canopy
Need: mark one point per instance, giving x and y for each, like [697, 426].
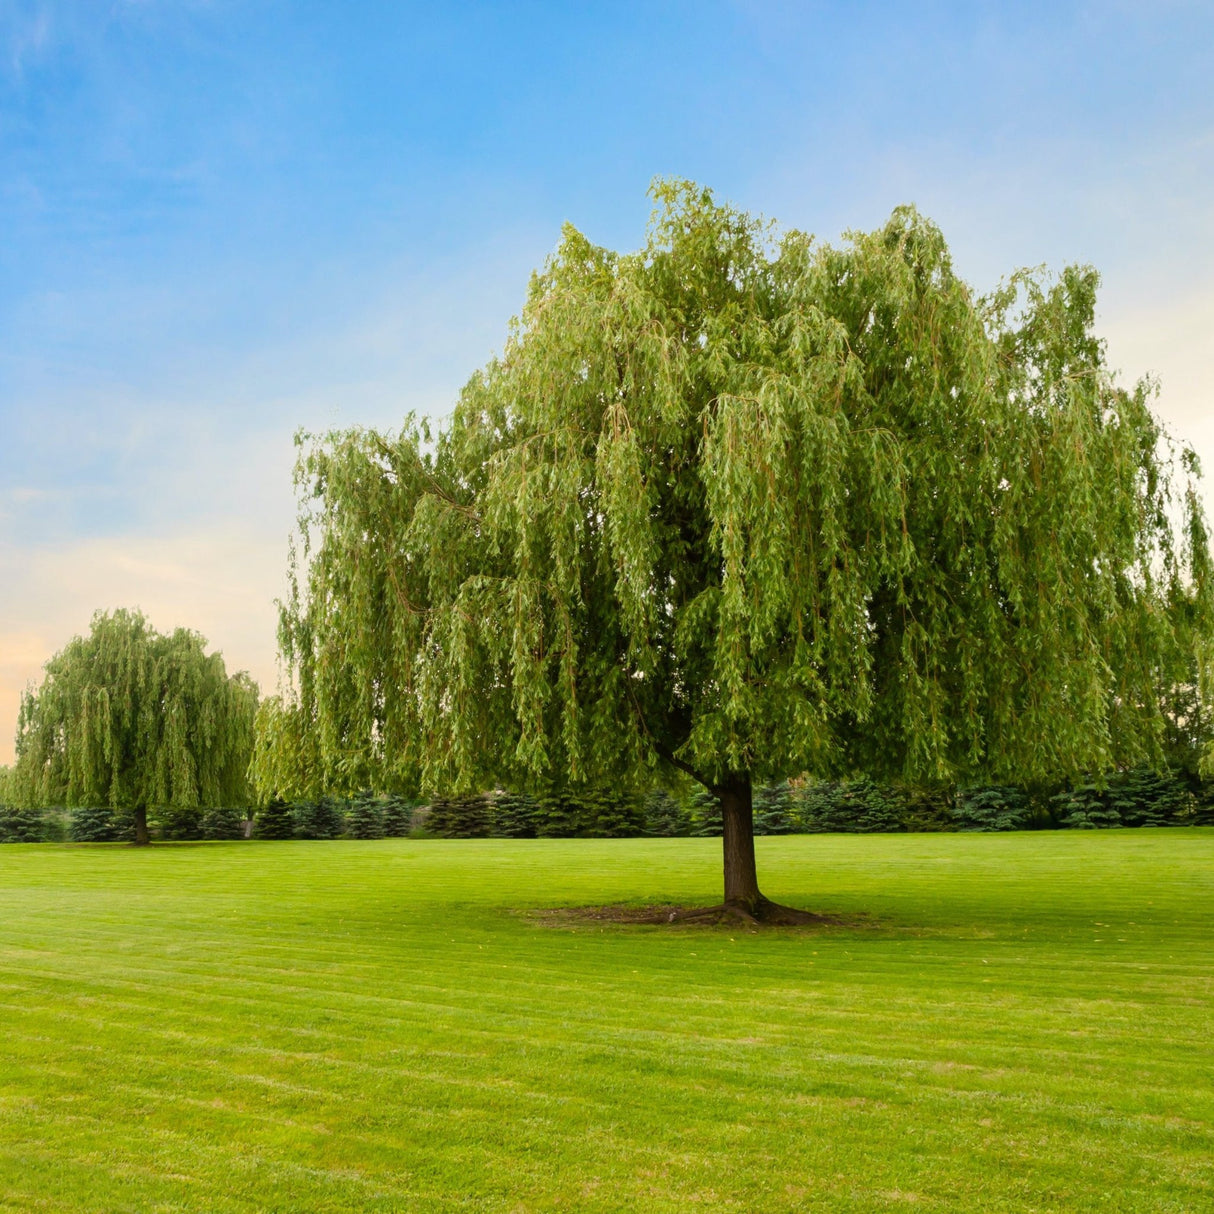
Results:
[128, 718]
[751, 505]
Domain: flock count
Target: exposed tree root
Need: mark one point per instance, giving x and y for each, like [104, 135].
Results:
[765, 914]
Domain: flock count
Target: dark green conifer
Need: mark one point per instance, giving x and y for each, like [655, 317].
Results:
[223, 822]
[515, 815]
[853, 807]
[179, 822]
[557, 816]
[365, 816]
[609, 814]
[772, 809]
[1084, 806]
[323, 818]
[22, 825]
[1142, 797]
[397, 815]
[275, 820]
[1203, 803]
[665, 816]
[96, 824]
[460, 817]
[706, 817]
[991, 807]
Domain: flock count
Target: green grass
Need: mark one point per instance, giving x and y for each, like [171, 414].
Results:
[1024, 1023]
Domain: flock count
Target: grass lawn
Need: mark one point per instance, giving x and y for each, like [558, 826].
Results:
[1022, 1022]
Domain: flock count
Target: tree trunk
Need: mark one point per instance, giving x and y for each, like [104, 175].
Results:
[142, 838]
[737, 811]
[742, 897]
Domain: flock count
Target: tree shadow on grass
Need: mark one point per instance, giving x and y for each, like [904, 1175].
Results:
[677, 917]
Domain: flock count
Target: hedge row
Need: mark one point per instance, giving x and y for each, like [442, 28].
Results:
[99, 824]
[1134, 798]
[366, 816]
[590, 814]
[1137, 798]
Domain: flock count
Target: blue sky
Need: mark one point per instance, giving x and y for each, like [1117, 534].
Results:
[221, 221]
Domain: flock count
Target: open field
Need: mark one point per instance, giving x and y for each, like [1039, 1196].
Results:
[1024, 1022]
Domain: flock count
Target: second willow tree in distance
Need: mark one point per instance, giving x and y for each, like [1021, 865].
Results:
[129, 718]
[748, 505]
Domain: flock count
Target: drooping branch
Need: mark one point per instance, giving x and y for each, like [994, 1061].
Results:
[847, 514]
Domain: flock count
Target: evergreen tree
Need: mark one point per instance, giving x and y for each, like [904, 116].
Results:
[1142, 797]
[1084, 806]
[991, 807]
[180, 822]
[556, 817]
[275, 820]
[397, 816]
[773, 804]
[22, 825]
[705, 813]
[320, 819]
[365, 816]
[861, 806]
[1203, 802]
[98, 824]
[466, 817]
[927, 807]
[222, 822]
[874, 807]
[665, 816]
[609, 814]
[515, 816]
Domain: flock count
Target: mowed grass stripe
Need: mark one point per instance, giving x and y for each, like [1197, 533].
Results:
[1020, 1023]
[639, 1043]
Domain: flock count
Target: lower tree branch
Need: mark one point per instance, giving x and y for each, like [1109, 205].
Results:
[663, 752]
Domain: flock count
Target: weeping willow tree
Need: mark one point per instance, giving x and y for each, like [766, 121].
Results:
[747, 505]
[130, 718]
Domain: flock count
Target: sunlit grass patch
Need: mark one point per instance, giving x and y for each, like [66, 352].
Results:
[1017, 1022]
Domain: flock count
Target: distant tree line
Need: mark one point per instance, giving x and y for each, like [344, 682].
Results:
[365, 816]
[368, 815]
[1135, 798]
[1139, 797]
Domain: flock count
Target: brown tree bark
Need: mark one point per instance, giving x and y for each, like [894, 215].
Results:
[742, 897]
[142, 838]
[738, 841]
